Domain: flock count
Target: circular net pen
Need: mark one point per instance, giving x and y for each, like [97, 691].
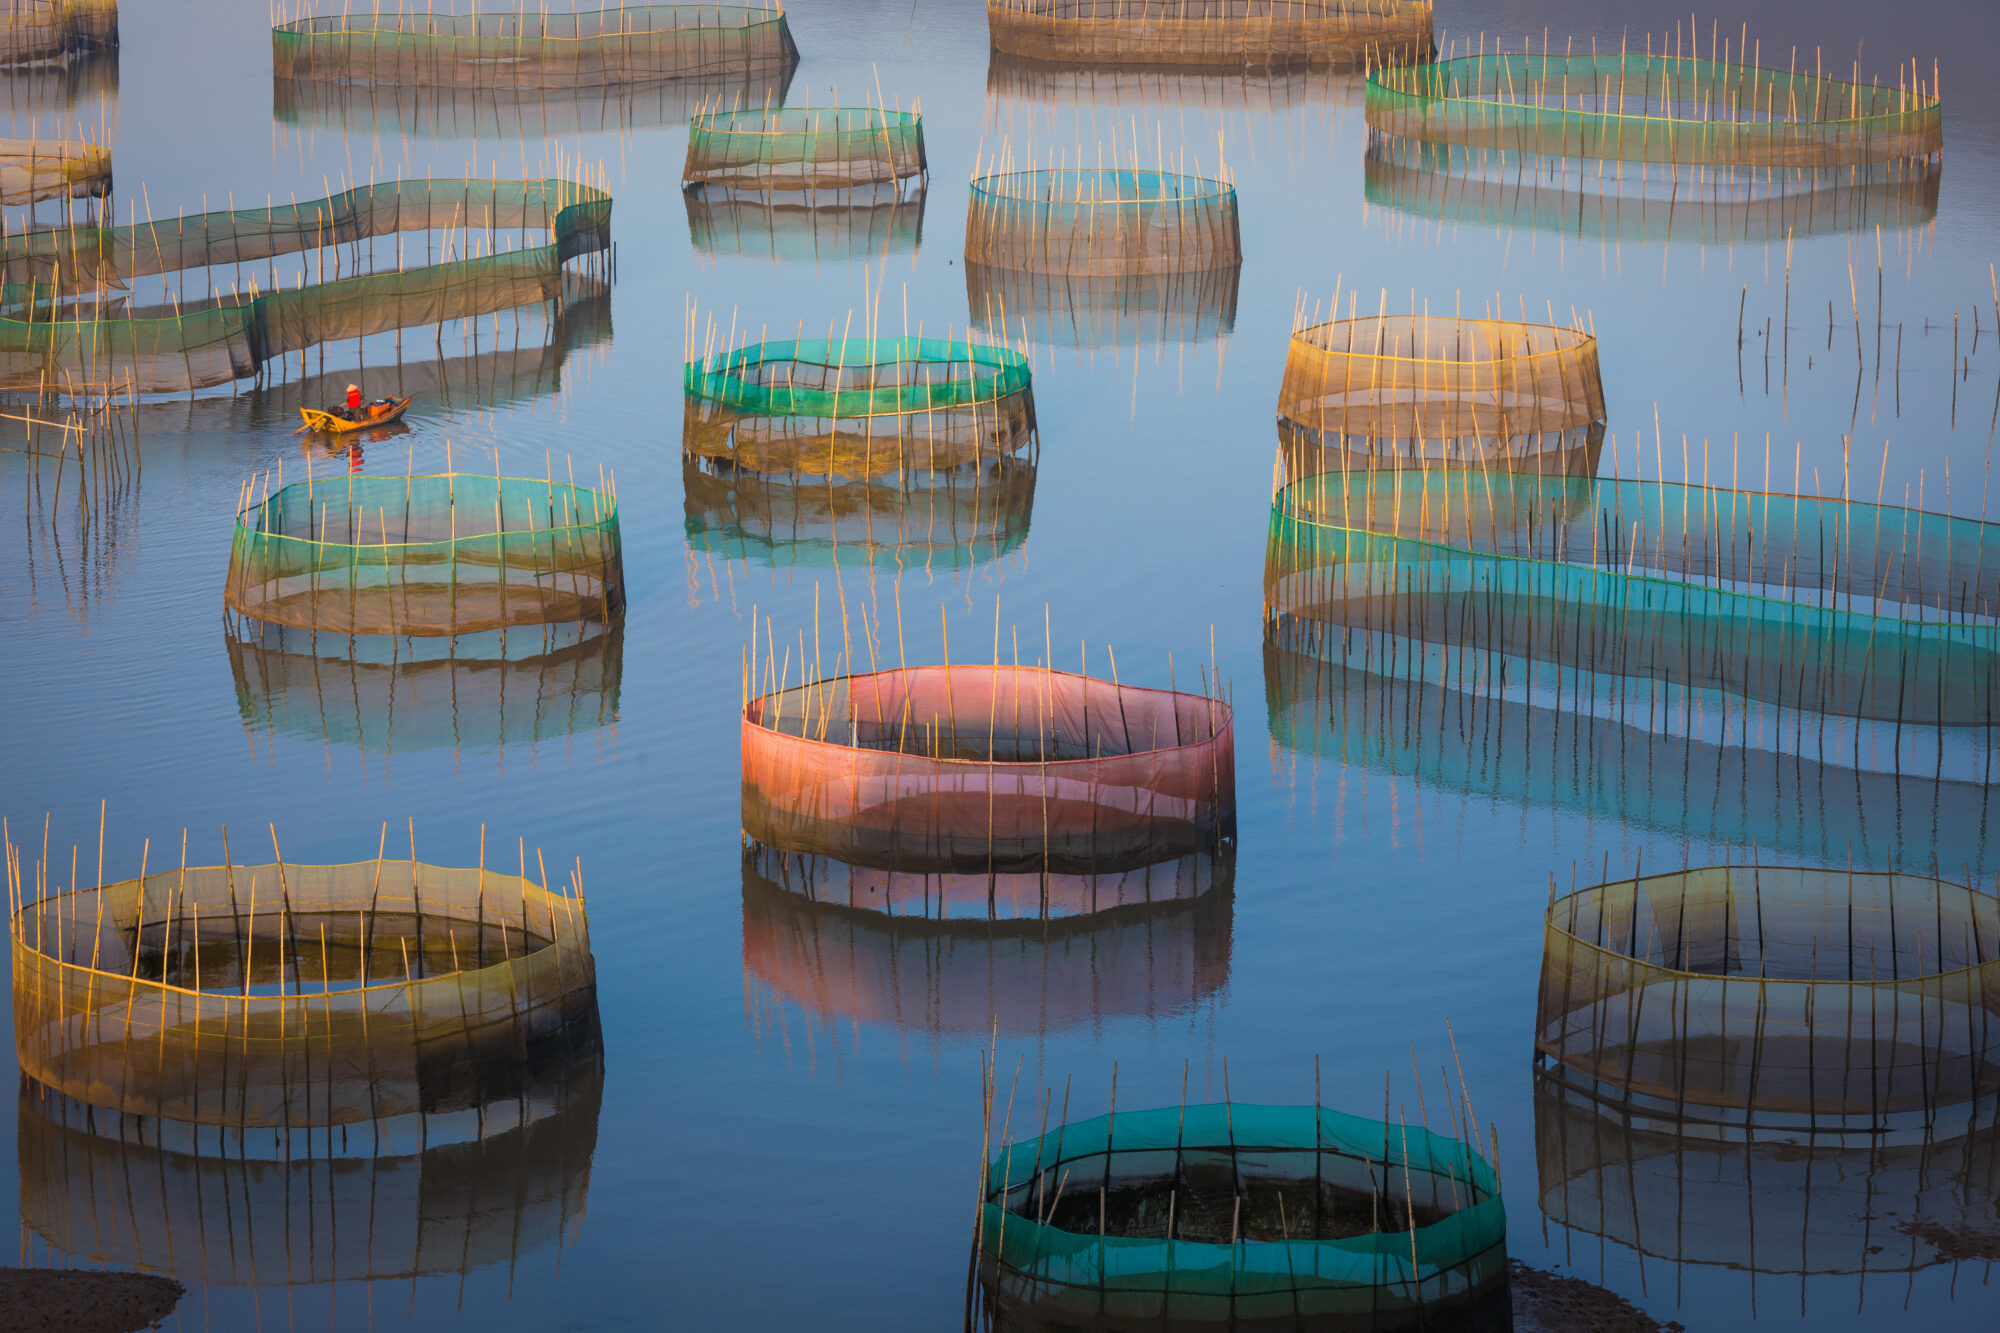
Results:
[532, 49]
[286, 996]
[988, 769]
[1272, 33]
[56, 32]
[789, 149]
[1409, 391]
[871, 223]
[1104, 223]
[1812, 998]
[35, 169]
[1244, 1217]
[436, 555]
[859, 407]
[1655, 108]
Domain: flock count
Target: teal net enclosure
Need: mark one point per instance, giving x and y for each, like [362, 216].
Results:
[858, 407]
[441, 555]
[524, 687]
[533, 49]
[1243, 1216]
[1656, 108]
[1775, 995]
[1276, 33]
[1834, 607]
[1102, 223]
[1155, 310]
[775, 148]
[872, 223]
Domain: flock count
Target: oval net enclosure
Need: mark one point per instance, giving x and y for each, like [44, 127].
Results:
[778, 148]
[858, 407]
[1233, 33]
[1411, 391]
[285, 995]
[36, 169]
[1243, 1216]
[534, 49]
[1102, 222]
[42, 32]
[976, 768]
[1654, 108]
[1775, 994]
[435, 555]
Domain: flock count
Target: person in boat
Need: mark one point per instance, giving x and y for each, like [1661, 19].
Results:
[354, 403]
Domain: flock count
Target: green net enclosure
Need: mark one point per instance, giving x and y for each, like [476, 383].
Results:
[630, 44]
[437, 555]
[1656, 108]
[1243, 1216]
[1150, 310]
[529, 686]
[284, 995]
[859, 407]
[56, 32]
[1102, 223]
[1774, 994]
[35, 169]
[393, 1200]
[774, 148]
[1411, 391]
[1212, 32]
[1835, 607]
[872, 223]
[989, 769]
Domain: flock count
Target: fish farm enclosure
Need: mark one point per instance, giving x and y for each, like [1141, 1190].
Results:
[472, 864]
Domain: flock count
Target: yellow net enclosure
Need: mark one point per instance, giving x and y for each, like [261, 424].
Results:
[1212, 32]
[37, 169]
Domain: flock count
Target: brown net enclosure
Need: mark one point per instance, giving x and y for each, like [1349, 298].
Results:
[804, 148]
[36, 169]
[1161, 310]
[976, 768]
[534, 49]
[56, 32]
[871, 223]
[1775, 994]
[1412, 391]
[394, 1199]
[1114, 223]
[285, 995]
[438, 555]
[1212, 32]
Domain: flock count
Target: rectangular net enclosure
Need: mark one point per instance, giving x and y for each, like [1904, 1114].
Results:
[872, 223]
[775, 148]
[1232, 1215]
[56, 32]
[1102, 223]
[1629, 107]
[286, 996]
[1780, 995]
[1386, 392]
[447, 554]
[1836, 607]
[986, 768]
[1277, 33]
[859, 407]
[37, 169]
[1150, 310]
[534, 48]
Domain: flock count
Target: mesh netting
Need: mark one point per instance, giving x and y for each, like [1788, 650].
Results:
[291, 995]
[932, 520]
[33, 169]
[858, 407]
[1017, 83]
[846, 944]
[1212, 32]
[1809, 995]
[1106, 223]
[1826, 606]
[180, 347]
[856, 224]
[436, 555]
[1163, 309]
[438, 1194]
[1781, 1203]
[1653, 108]
[89, 79]
[630, 44]
[989, 769]
[1246, 1217]
[1408, 391]
[34, 32]
[504, 688]
[804, 148]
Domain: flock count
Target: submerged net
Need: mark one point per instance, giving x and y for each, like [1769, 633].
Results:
[1817, 996]
[804, 148]
[35, 169]
[1162, 309]
[1244, 1216]
[288, 995]
[36, 32]
[1409, 391]
[437, 555]
[1825, 606]
[974, 768]
[858, 407]
[630, 44]
[1015, 84]
[1102, 223]
[1212, 32]
[855, 224]
[1653, 108]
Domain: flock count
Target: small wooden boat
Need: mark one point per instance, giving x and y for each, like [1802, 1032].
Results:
[338, 424]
